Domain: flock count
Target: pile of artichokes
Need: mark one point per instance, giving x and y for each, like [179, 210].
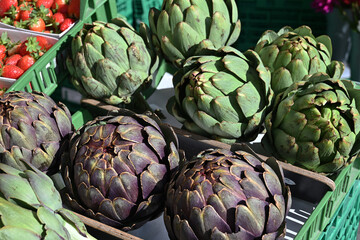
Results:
[126, 168]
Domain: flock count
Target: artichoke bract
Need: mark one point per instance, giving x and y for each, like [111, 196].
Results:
[291, 54]
[111, 61]
[223, 94]
[182, 26]
[222, 194]
[119, 167]
[315, 125]
[31, 207]
[34, 128]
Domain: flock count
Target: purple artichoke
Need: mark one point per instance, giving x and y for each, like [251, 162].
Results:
[221, 194]
[34, 128]
[118, 168]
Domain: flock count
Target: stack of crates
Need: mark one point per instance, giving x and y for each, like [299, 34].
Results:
[338, 214]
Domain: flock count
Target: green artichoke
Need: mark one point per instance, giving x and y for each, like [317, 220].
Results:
[223, 194]
[223, 94]
[182, 26]
[31, 207]
[314, 124]
[118, 168]
[34, 128]
[112, 62]
[291, 54]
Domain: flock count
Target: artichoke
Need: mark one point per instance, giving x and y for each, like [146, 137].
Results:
[34, 128]
[118, 168]
[222, 194]
[314, 124]
[31, 207]
[182, 26]
[112, 62]
[223, 94]
[291, 54]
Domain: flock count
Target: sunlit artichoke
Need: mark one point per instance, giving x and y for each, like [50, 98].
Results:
[222, 94]
[34, 128]
[223, 194]
[111, 61]
[314, 124]
[31, 207]
[291, 54]
[182, 26]
[118, 168]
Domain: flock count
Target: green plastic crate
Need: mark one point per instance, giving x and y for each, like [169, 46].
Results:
[257, 16]
[80, 117]
[345, 223]
[330, 203]
[142, 8]
[125, 9]
[46, 74]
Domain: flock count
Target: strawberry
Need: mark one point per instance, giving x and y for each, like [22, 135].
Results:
[25, 12]
[11, 71]
[26, 62]
[37, 24]
[60, 6]
[66, 24]
[49, 14]
[58, 18]
[5, 6]
[45, 3]
[2, 52]
[31, 45]
[14, 13]
[74, 9]
[13, 60]
[43, 43]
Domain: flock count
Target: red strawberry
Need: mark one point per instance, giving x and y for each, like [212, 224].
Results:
[26, 62]
[13, 12]
[49, 14]
[58, 17]
[46, 3]
[13, 60]
[74, 9]
[2, 52]
[11, 71]
[31, 45]
[43, 43]
[61, 6]
[66, 24]
[37, 24]
[25, 12]
[5, 6]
